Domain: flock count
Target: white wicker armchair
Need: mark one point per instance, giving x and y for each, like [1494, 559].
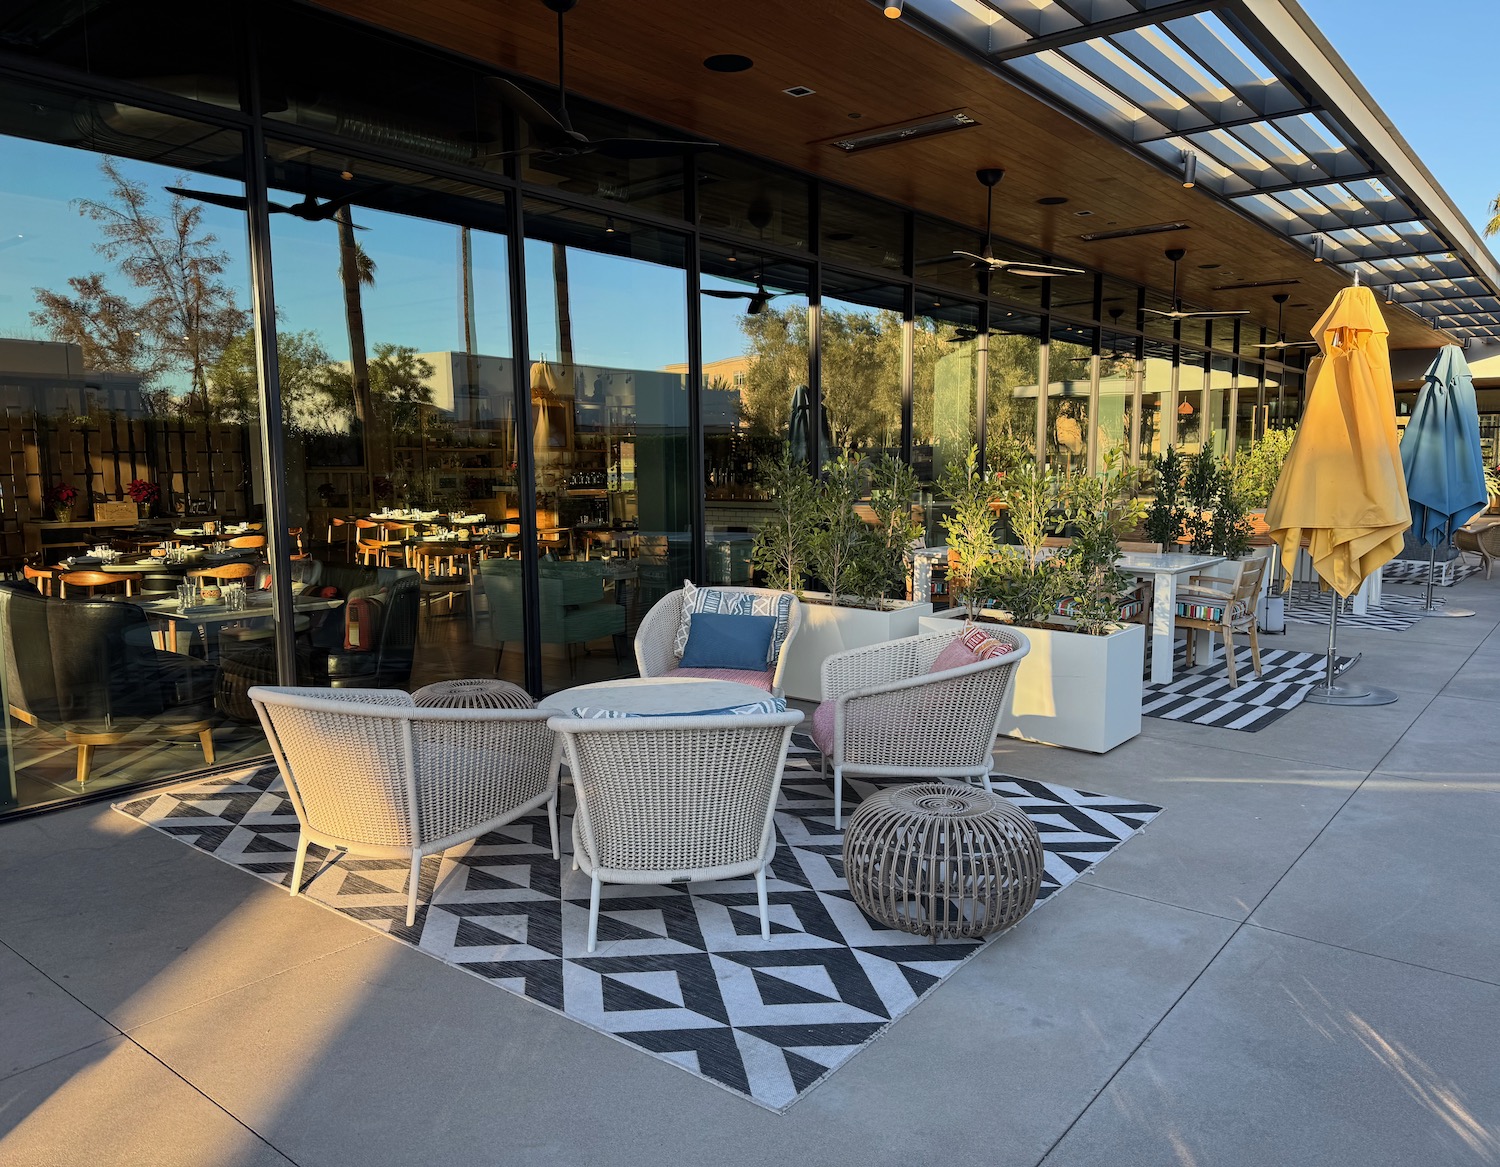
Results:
[655, 640]
[675, 799]
[892, 718]
[370, 773]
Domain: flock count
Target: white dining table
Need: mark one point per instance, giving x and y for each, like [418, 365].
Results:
[1165, 571]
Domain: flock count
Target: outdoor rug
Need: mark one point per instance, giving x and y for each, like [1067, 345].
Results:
[1202, 694]
[1414, 571]
[680, 972]
[1396, 613]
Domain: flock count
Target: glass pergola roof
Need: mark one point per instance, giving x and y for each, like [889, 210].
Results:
[1211, 79]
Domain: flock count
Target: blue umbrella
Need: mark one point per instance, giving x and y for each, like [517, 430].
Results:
[1442, 456]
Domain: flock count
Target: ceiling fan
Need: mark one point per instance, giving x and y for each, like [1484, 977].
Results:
[990, 176]
[309, 208]
[554, 127]
[962, 334]
[1177, 312]
[756, 300]
[1281, 341]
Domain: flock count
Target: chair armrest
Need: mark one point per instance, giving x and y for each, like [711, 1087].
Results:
[1211, 585]
[864, 670]
[655, 639]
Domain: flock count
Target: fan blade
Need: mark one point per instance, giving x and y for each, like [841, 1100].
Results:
[233, 202]
[1208, 315]
[331, 207]
[1045, 271]
[976, 258]
[1174, 314]
[530, 110]
[629, 148]
[726, 295]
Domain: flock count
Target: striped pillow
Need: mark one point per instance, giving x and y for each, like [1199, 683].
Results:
[733, 603]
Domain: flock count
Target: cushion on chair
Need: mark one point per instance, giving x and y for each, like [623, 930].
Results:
[718, 640]
[969, 647]
[822, 724]
[1201, 606]
[1129, 610]
[761, 680]
[696, 599]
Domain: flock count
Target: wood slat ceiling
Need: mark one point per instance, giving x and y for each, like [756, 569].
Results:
[647, 58]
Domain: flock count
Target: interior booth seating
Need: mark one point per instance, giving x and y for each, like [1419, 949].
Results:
[574, 607]
[368, 642]
[88, 672]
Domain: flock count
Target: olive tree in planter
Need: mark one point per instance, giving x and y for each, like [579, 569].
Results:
[818, 531]
[1080, 686]
[1163, 522]
[970, 526]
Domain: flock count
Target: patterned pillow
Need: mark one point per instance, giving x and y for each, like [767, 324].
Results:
[982, 644]
[733, 603]
[769, 705]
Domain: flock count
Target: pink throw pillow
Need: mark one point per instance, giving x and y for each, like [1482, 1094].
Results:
[982, 644]
[954, 656]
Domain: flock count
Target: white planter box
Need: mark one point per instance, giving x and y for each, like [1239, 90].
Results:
[1082, 692]
[826, 630]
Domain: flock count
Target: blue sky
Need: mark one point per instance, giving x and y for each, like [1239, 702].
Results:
[629, 314]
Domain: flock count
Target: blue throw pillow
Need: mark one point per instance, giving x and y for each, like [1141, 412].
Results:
[719, 641]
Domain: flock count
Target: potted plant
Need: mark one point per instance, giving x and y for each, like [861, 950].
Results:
[970, 526]
[1163, 522]
[817, 530]
[62, 497]
[144, 494]
[1081, 684]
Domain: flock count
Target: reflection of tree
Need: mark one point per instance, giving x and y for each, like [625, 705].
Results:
[187, 315]
[316, 395]
[1014, 365]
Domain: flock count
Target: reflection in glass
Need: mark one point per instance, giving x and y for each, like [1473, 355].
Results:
[1217, 404]
[750, 198]
[1192, 422]
[1070, 364]
[1156, 388]
[1015, 351]
[609, 392]
[860, 358]
[755, 338]
[945, 379]
[862, 231]
[1117, 385]
[1247, 420]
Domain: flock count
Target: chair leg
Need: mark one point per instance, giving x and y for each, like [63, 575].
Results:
[499, 652]
[1228, 633]
[552, 822]
[1187, 658]
[297, 866]
[1254, 647]
[594, 913]
[765, 911]
[411, 894]
[85, 760]
[838, 798]
[206, 739]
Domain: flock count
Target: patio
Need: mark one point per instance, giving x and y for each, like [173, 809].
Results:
[1294, 963]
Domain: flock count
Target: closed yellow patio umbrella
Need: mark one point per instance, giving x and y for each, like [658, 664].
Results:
[1342, 488]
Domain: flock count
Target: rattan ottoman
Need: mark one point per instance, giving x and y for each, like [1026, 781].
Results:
[942, 861]
[479, 693]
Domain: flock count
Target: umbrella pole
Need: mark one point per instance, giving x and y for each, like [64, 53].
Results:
[1445, 610]
[1331, 692]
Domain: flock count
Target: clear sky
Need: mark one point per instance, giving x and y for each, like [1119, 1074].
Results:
[1432, 68]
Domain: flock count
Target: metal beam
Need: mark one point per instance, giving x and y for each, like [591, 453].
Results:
[1102, 28]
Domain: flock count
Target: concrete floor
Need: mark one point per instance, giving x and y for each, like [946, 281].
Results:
[1298, 963]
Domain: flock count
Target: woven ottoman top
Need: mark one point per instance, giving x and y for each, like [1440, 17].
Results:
[480, 693]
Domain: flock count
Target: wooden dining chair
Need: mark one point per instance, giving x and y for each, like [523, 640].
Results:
[39, 577]
[248, 542]
[89, 582]
[344, 528]
[223, 572]
[1223, 605]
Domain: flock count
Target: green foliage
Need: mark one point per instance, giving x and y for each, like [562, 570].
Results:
[1257, 467]
[837, 543]
[1164, 518]
[970, 526]
[880, 569]
[780, 550]
[1027, 582]
[1215, 519]
[1102, 507]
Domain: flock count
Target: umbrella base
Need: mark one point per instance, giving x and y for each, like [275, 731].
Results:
[1449, 612]
[1344, 693]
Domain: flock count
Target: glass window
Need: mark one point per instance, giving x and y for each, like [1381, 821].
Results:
[1118, 374]
[752, 199]
[945, 378]
[1156, 389]
[755, 344]
[129, 424]
[1070, 383]
[1015, 350]
[1217, 404]
[935, 263]
[1192, 422]
[861, 231]
[861, 362]
[1247, 410]
[607, 321]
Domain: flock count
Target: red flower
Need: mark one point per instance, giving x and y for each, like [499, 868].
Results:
[62, 494]
[142, 491]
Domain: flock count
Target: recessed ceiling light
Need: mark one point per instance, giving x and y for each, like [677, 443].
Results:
[727, 63]
[799, 91]
[855, 116]
[1051, 201]
[1208, 266]
[838, 236]
[1083, 214]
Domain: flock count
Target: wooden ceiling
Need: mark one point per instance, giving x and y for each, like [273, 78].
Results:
[647, 57]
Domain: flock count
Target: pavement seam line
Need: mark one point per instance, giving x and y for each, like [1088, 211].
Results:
[1374, 955]
[126, 1037]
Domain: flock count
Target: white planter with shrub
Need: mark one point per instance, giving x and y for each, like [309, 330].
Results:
[827, 629]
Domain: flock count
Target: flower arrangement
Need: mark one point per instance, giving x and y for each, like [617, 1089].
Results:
[62, 497]
[143, 492]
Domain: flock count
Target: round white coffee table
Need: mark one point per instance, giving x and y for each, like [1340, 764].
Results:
[661, 695]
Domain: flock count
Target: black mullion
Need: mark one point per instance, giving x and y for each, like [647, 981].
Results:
[531, 614]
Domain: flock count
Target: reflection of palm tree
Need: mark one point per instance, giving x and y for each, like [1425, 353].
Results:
[357, 270]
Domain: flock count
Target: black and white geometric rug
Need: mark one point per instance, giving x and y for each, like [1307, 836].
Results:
[1415, 571]
[1202, 694]
[1397, 612]
[680, 972]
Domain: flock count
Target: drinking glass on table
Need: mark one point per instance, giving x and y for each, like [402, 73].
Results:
[187, 596]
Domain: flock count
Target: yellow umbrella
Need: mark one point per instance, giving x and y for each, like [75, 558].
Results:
[1342, 487]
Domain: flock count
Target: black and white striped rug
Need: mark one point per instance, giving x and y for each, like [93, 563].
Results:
[1202, 695]
[1397, 612]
